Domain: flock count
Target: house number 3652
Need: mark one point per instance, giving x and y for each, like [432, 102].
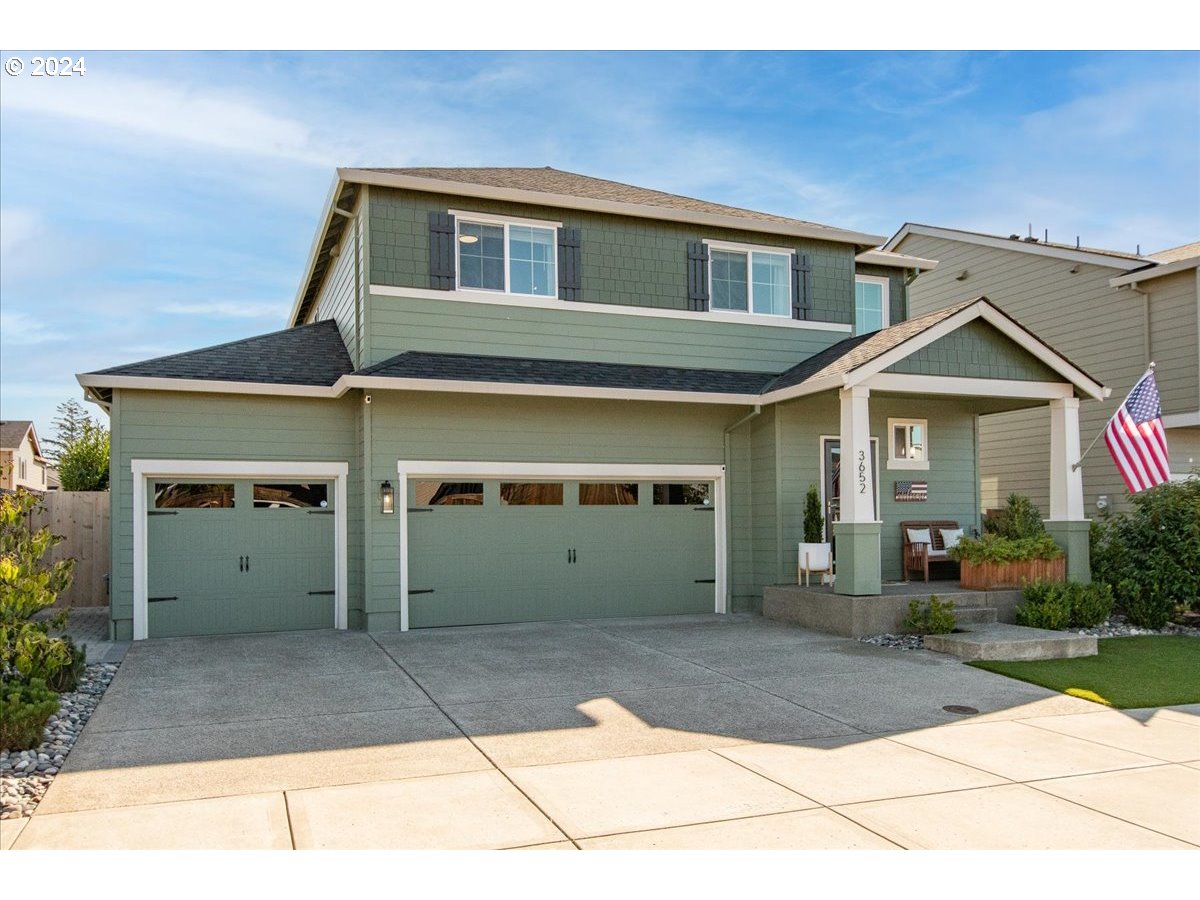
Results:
[862, 471]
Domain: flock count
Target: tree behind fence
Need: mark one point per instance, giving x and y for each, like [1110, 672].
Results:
[82, 518]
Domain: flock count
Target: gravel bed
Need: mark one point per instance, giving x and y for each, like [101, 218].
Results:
[1118, 626]
[896, 641]
[26, 774]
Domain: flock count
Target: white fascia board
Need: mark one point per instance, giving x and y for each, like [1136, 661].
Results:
[611, 309]
[968, 387]
[384, 383]
[1160, 271]
[1019, 246]
[596, 471]
[895, 260]
[1182, 420]
[613, 207]
[318, 239]
[804, 389]
[1006, 326]
[205, 386]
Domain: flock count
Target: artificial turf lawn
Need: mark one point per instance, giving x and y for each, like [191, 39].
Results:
[1128, 673]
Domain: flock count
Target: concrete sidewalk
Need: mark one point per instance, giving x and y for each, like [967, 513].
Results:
[696, 732]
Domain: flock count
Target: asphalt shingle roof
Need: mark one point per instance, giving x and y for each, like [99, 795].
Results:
[12, 432]
[572, 373]
[308, 355]
[1175, 254]
[556, 181]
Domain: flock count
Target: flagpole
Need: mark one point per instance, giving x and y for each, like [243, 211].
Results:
[1076, 465]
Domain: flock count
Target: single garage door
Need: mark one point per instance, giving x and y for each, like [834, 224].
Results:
[230, 556]
[521, 551]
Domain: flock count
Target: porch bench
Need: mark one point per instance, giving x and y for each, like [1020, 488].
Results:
[919, 556]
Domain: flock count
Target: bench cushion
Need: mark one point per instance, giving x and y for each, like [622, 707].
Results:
[919, 536]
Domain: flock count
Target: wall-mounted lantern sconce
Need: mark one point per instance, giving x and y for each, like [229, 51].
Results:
[387, 498]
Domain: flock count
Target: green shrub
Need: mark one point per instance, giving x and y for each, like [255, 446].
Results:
[1144, 604]
[935, 617]
[1047, 605]
[1019, 520]
[24, 710]
[1071, 605]
[1155, 546]
[995, 548]
[1091, 605]
[814, 522]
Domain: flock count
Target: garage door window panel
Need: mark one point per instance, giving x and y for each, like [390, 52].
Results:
[448, 493]
[608, 494]
[531, 493]
[682, 494]
[193, 495]
[291, 496]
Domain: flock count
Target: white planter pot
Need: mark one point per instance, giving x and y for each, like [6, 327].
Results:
[813, 559]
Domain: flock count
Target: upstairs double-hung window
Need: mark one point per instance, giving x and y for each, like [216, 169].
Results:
[747, 280]
[513, 257]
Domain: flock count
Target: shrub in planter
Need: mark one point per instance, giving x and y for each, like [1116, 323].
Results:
[935, 617]
[24, 711]
[1018, 520]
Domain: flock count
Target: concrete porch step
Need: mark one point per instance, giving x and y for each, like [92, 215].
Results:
[1011, 642]
[975, 615]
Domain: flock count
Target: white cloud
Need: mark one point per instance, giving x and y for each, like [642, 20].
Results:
[230, 309]
[17, 226]
[21, 328]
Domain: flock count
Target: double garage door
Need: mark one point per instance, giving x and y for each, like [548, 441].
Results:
[227, 556]
[518, 551]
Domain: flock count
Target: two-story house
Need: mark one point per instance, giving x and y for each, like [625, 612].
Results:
[22, 464]
[1113, 313]
[521, 394]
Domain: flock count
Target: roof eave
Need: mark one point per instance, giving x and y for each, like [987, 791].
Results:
[639, 210]
[1018, 246]
[879, 257]
[335, 190]
[1151, 272]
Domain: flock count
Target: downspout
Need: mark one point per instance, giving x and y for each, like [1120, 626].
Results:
[728, 436]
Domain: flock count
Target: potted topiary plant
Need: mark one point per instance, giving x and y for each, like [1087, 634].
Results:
[816, 555]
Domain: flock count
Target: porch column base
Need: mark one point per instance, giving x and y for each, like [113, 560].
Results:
[858, 563]
[1072, 536]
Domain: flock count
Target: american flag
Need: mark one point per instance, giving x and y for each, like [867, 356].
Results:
[1136, 438]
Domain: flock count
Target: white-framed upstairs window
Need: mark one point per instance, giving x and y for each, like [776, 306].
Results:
[870, 303]
[749, 279]
[506, 255]
[908, 444]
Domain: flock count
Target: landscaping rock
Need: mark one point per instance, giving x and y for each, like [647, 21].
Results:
[1118, 626]
[25, 775]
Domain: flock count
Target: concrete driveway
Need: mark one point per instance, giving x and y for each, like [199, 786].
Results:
[719, 732]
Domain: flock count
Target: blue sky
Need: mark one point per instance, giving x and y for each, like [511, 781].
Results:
[167, 201]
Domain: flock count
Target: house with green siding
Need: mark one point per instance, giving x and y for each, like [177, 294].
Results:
[510, 395]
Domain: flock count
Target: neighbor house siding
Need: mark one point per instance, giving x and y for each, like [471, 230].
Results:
[1174, 344]
[1184, 444]
[625, 261]
[1095, 326]
[423, 426]
[176, 425]
[338, 298]
[440, 326]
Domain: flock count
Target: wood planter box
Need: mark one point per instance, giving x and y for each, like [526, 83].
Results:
[990, 576]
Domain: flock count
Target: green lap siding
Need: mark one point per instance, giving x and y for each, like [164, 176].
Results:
[441, 326]
[177, 425]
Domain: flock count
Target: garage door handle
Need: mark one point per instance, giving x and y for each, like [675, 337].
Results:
[247, 563]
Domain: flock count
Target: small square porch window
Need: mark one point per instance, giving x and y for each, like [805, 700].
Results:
[908, 447]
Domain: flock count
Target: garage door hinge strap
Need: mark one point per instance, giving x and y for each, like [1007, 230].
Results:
[704, 508]
[420, 509]
[162, 512]
[706, 581]
[320, 593]
[160, 599]
[425, 591]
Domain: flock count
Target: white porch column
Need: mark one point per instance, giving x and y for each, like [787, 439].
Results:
[857, 531]
[1067, 523]
[1066, 482]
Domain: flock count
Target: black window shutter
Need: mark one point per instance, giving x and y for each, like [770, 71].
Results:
[570, 260]
[441, 251]
[697, 275]
[800, 272]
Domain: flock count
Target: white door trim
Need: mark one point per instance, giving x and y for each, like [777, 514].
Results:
[144, 469]
[412, 468]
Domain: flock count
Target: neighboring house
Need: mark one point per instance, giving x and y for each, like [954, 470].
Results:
[522, 394]
[1112, 313]
[21, 460]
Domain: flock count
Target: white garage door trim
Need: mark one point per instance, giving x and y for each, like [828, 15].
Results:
[145, 469]
[413, 468]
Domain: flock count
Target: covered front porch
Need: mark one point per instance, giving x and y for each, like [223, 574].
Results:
[906, 401]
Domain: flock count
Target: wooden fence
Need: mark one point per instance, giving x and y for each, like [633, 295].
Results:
[82, 518]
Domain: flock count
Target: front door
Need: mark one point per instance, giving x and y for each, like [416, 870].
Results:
[832, 450]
